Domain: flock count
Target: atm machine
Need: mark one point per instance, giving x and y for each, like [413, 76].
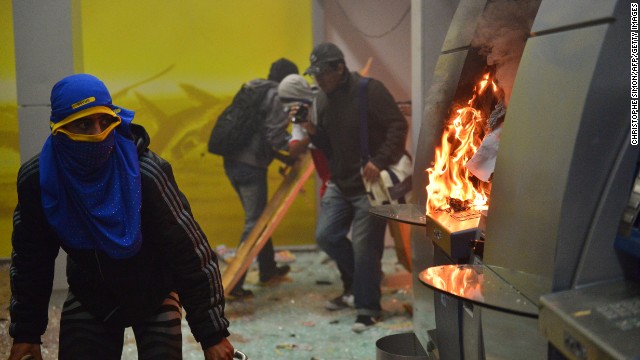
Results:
[559, 239]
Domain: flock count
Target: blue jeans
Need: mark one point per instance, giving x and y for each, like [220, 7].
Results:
[250, 183]
[359, 260]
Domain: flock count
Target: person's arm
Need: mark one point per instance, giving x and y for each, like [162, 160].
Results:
[300, 140]
[185, 247]
[298, 147]
[314, 128]
[387, 126]
[35, 248]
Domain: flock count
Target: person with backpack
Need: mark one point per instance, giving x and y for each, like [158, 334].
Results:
[345, 204]
[246, 165]
[136, 255]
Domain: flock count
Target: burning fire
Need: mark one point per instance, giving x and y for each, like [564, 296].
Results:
[457, 280]
[451, 185]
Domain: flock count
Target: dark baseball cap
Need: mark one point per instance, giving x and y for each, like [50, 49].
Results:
[321, 55]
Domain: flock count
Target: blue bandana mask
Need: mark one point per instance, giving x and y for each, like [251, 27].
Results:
[91, 191]
[83, 160]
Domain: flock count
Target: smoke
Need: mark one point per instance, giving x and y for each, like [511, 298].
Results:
[501, 35]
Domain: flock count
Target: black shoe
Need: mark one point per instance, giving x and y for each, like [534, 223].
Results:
[278, 272]
[364, 322]
[239, 294]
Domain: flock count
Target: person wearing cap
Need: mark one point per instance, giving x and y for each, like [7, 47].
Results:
[247, 170]
[345, 204]
[135, 253]
[296, 94]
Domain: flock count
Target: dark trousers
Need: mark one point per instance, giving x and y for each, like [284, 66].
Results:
[84, 337]
[250, 183]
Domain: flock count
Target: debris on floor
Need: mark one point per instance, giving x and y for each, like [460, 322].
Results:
[283, 320]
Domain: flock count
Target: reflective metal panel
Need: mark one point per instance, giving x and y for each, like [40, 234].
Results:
[463, 24]
[483, 285]
[537, 149]
[554, 14]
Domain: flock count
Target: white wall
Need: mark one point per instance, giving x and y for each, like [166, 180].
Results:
[372, 28]
[404, 48]
[44, 50]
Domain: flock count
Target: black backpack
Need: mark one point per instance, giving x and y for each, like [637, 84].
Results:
[239, 121]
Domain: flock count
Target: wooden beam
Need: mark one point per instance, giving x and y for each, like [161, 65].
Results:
[295, 178]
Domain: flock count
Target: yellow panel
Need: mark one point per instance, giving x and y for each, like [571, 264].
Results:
[9, 140]
[178, 64]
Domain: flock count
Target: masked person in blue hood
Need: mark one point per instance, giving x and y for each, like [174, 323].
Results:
[135, 253]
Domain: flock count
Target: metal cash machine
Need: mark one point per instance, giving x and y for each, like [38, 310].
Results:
[559, 249]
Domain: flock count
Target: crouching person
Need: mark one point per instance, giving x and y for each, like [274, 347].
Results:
[135, 253]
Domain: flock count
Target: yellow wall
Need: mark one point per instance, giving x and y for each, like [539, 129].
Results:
[177, 64]
[9, 147]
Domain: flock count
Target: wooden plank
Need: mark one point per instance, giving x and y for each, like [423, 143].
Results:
[276, 208]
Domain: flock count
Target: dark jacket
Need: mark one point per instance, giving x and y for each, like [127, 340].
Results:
[175, 255]
[338, 131]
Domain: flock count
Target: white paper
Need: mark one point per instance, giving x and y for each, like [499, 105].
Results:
[483, 161]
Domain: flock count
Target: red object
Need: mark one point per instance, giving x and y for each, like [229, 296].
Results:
[322, 167]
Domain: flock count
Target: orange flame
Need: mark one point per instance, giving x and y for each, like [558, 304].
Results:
[463, 134]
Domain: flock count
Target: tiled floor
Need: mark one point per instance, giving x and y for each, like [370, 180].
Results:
[284, 320]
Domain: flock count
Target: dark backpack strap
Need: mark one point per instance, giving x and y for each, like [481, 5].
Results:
[363, 118]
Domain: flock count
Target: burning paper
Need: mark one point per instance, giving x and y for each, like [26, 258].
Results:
[483, 162]
[452, 186]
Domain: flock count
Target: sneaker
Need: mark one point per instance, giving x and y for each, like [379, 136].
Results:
[239, 294]
[224, 253]
[363, 322]
[284, 257]
[340, 302]
[278, 272]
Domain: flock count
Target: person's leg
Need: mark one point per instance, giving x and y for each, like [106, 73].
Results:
[257, 195]
[160, 335]
[236, 173]
[367, 235]
[250, 183]
[84, 337]
[332, 228]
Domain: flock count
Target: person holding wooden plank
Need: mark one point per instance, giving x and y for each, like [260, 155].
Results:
[246, 169]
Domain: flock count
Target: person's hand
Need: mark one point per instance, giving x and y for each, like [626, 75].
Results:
[294, 111]
[307, 125]
[220, 351]
[370, 172]
[21, 351]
